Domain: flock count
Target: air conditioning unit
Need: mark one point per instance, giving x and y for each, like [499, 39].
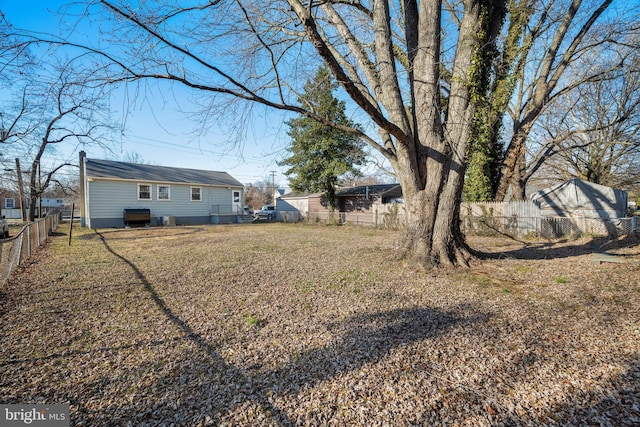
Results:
[169, 220]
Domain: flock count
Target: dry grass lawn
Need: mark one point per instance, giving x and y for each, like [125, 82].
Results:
[281, 324]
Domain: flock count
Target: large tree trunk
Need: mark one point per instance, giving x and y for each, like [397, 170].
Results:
[513, 170]
[430, 162]
[432, 236]
[33, 194]
[519, 181]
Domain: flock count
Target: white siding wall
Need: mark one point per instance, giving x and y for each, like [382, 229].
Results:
[108, 199]
[294, 204]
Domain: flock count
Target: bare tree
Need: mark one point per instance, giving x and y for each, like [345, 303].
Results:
[558, 36]
[368, 179]
[15, 64]
[67, 187]
[57, 106]
[134, 157]
[597, 139]
[258, 194]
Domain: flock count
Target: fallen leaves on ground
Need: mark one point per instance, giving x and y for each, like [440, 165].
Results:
[288, 324]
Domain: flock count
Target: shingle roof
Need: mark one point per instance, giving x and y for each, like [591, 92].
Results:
[361, 190]
[132, 171]
[294, 194]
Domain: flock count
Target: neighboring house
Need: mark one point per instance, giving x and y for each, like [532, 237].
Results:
[10, 205]
[48, 202]
[170, 195]
[294, 206]
[366, 197]
[574, 207]
[365, 204]
[370, 204]
[301, 202]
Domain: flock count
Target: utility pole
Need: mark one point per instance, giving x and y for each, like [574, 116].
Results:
[4, 134]
[20, 189]
[273, 186]
[39, 191]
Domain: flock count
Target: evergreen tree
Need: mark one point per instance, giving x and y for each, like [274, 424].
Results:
[320, 154]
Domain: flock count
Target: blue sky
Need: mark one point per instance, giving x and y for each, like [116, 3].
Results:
[159, 133]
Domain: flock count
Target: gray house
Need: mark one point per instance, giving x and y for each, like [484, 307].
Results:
[113, 194]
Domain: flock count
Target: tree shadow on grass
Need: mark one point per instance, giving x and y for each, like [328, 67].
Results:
[561, 248]
[618, 403]
[578, 397]
[614, 402]
[360, 340]
[94, 351]
[130, 234]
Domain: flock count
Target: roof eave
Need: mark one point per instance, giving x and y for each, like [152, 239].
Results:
[104, 178]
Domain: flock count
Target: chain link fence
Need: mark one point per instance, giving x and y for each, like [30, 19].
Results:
[17, 249]
[388, 219]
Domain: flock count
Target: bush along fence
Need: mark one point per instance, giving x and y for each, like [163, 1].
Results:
[17, 249]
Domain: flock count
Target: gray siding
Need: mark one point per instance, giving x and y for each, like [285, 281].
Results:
[108, 199]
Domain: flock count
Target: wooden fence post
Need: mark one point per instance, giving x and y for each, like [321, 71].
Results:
[73, 207]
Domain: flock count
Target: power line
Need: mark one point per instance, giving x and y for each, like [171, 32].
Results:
[185, 148]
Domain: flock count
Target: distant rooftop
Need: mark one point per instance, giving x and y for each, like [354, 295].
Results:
[141, 172]
[393, 190]
[378, 189]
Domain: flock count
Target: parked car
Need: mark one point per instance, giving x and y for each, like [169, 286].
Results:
[4, 228]
[247, 210]
[267, 212]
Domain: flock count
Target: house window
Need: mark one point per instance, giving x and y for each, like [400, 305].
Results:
[236, 197]
[164, 192]
[144, 191]
[9, 203]
[196, 194]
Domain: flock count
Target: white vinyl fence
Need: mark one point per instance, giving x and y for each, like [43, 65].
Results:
[518, 218]
[523, 217]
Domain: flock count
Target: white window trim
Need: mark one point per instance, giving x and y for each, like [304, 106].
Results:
[191, 193]
[233, 196]
[13, 205]
[168, 199]
[150, 191]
